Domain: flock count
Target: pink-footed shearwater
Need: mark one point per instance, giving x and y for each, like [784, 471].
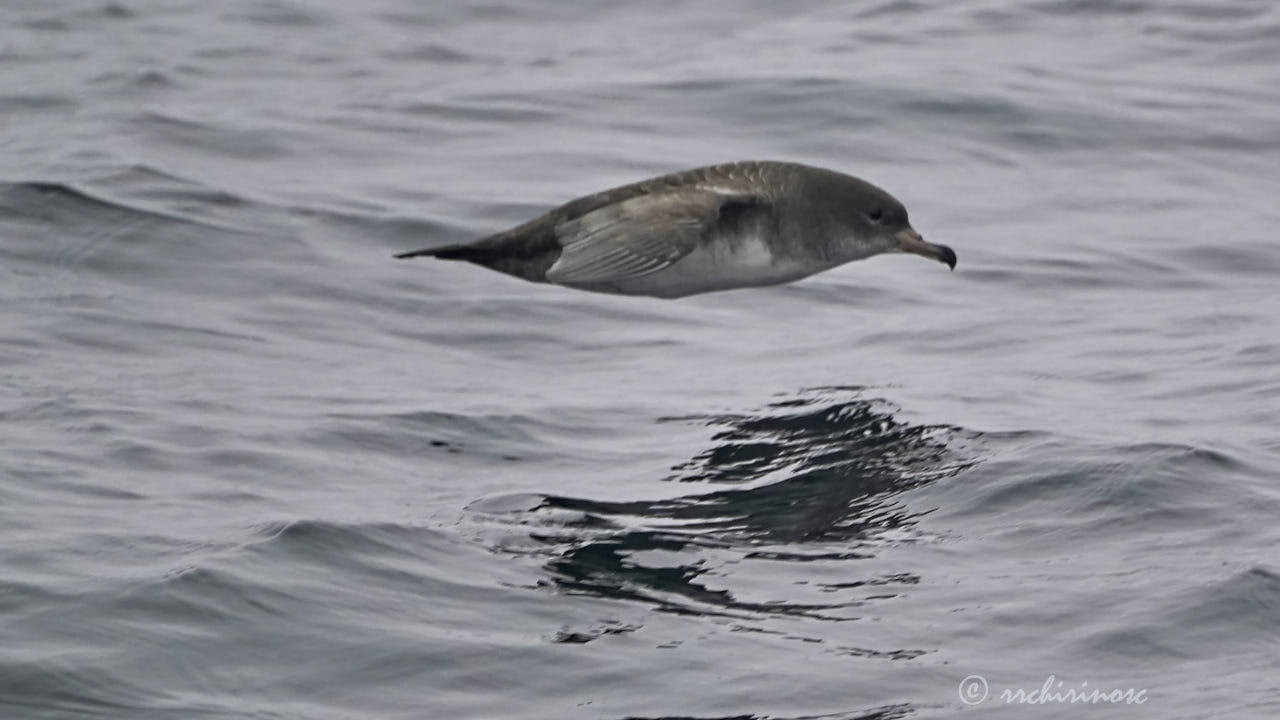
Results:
[720, 227]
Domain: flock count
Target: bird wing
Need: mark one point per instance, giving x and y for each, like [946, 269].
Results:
[640, 235]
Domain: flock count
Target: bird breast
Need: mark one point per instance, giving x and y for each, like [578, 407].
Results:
[722, 263]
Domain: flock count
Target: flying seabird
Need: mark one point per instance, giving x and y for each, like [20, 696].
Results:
[742, 224]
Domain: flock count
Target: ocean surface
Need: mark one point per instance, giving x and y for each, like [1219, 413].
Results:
[252, 467]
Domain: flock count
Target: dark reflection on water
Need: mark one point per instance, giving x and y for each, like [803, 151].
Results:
[834, 466]
[815, 477]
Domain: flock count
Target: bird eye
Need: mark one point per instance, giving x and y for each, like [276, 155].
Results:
[876, 215]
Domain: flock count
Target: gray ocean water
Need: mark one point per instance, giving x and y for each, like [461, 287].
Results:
[252, 467]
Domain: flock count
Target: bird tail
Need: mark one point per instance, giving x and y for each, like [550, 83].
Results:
[511, 253]
[446, 252]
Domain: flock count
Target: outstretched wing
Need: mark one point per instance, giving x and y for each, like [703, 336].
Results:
[640, 235]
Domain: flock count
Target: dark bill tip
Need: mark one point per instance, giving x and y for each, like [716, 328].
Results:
[947, 255]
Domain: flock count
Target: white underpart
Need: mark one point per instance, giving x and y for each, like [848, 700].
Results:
[745, 261]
